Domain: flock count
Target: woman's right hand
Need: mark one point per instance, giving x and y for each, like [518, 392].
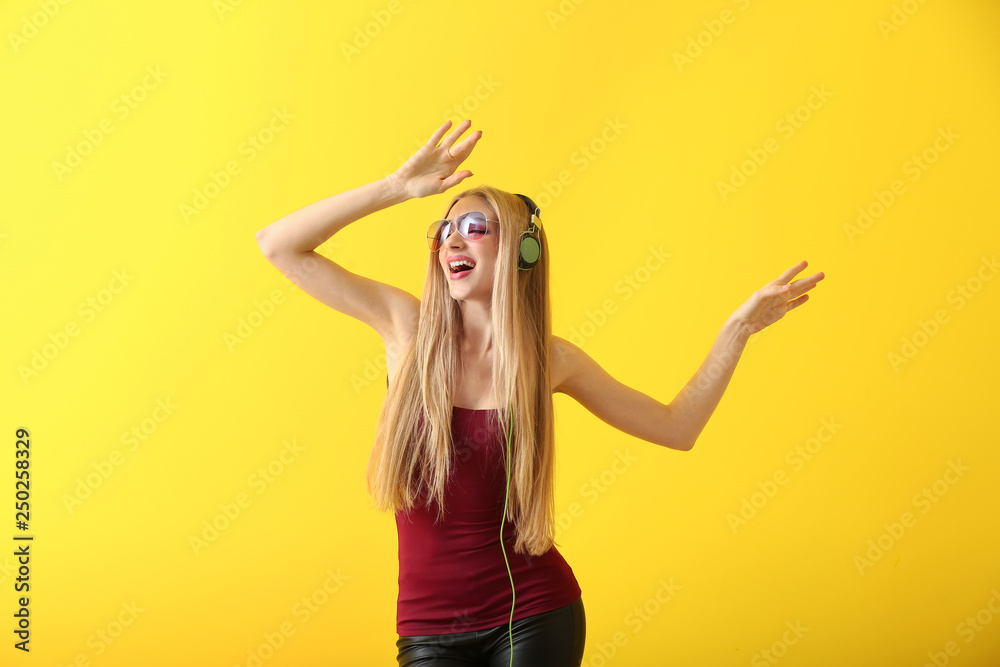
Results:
[430, 170]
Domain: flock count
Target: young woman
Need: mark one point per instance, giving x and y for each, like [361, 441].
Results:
[464, 450]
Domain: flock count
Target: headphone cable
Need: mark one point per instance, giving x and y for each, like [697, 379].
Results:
[510, 628]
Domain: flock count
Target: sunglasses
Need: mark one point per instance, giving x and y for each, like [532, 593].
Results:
[473, 226]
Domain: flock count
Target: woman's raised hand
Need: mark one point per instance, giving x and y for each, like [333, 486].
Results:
[770, 303]
[430, 170]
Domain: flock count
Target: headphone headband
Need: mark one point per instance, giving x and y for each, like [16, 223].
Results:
[533, 210]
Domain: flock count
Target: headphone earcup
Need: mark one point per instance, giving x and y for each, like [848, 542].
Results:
[529, 248]
[528, 251]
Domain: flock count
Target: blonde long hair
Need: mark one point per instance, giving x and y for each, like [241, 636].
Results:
[406, 460]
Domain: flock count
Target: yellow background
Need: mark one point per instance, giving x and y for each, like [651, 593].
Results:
[543, 81]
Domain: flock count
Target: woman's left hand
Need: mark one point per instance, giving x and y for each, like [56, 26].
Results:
[770, 303]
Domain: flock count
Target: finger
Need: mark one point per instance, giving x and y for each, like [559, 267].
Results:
[455, 179]
[806, 284]
[795, 303]
[451, 138]
[462, 150]
[436, 137]
[789, 273]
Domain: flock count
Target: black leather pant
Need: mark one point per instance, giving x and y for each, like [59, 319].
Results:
[550, 639]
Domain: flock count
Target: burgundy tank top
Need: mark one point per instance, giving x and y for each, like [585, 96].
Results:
[453, 576]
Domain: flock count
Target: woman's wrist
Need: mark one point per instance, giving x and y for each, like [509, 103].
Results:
[395, 189]
[737, 331]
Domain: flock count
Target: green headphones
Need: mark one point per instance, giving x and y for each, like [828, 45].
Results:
[529, 247]
[529, 250]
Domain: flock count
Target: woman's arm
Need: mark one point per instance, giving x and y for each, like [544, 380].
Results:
[311, 226]
[678, 424]
[429, 171]
[688, 413]
[289, 243]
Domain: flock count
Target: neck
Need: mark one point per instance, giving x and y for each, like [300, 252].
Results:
[477, 327]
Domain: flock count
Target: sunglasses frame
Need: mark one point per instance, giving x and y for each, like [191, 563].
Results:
[439, 224]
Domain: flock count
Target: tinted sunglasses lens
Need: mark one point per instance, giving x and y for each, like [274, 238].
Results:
[437, 234]
[473, 225]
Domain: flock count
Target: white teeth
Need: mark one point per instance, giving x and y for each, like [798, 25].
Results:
[461, 262]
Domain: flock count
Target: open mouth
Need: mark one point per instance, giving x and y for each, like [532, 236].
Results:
[461, 268]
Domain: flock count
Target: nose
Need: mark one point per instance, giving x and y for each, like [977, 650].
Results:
[454, 236]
